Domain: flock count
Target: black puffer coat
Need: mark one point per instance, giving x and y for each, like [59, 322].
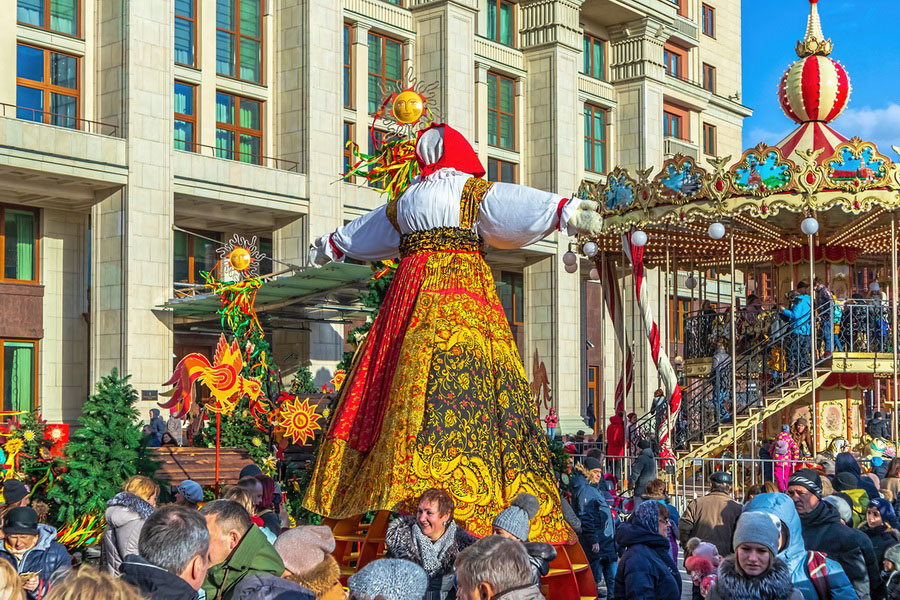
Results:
[824, 532]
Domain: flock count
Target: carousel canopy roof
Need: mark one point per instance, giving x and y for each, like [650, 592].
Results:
[847, 185]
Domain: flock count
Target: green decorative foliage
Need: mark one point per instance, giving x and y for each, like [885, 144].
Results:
[107, 449]
[303, 382]
[239, 430]
[559, 460]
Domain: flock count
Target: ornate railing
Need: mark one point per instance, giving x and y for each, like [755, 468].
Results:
[864, 326]
[26, 113]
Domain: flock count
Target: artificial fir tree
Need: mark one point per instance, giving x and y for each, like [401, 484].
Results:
[107, 449]
[303, 382]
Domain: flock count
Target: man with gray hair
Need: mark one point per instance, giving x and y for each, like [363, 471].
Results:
[173, 555]
[495, 566]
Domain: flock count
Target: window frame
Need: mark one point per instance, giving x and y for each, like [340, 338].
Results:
[709, 78]
[604, 141]
[709, 128]
[383, 74]
[36, 366]
[513, 27]
[349, 130]
[515, 126]
[193, 21]
[684, 118]
[592, 383]
[347, 71]
[592, 41]
[238, 130]
[237, 44]
[192, 119]
[48, 88]
[37, 245]
[708, 20]
[674, 118]
[191, 237]
[499, 162]
[515, 318]
[681, 61]
[680, 7]
[679, 308]
[46, 20]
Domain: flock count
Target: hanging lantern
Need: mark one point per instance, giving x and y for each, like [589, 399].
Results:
[716, 231]
[639, 238]
[809, 226]
[691, 282]
[571, 268]
[594, 275]
[589, 249]
[569, 259]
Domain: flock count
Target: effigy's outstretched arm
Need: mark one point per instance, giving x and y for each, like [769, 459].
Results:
[514, 216]
[369, 237]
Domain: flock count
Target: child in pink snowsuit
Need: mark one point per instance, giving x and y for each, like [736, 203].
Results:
[784, 450]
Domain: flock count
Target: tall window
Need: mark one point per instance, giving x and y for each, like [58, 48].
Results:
[19, 244]
[238, 128]
[673, 125]
[511, 290]
[709, 78]
[594, 139]
[185, 32]
[185, 116]
[348, 66]
[673, 58]
[239, 39]
[709, 139]
[709, 21]
[348, 154]
[501, 111]
[501, 22]
[501, 170]
[680, 309]
[56, 15]
[46, 86]
[376, 138]
[681, 5]
[593, 397]
[385, 67]
[194, 254]
[594, 57]
[19, 375]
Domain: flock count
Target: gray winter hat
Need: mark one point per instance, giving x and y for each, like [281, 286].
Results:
[515, 518]
[757, 528]
[390, 578]
[842, 507]
[893, 554]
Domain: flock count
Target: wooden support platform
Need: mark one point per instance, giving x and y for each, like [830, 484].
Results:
[199, 464]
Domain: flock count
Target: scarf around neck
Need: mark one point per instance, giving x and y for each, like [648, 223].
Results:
[432, 553]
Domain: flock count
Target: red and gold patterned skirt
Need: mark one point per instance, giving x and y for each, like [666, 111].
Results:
[438, 398]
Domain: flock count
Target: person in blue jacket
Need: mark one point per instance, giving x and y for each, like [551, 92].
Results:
[793, 552]
[646, 570]
[799, 315]
[597, 526]
[31, 547]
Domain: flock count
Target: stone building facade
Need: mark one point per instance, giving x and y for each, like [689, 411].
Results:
[135, 137]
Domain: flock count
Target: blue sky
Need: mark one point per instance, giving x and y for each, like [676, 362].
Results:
[864, 42]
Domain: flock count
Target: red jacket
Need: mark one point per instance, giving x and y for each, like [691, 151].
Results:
[615, 436]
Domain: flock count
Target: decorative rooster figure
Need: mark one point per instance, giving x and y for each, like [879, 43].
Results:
[223, 378]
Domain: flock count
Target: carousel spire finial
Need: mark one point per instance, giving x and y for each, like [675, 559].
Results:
[814, 42]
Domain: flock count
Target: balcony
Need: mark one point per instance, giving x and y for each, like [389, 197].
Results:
[674, 146]
[686, 31]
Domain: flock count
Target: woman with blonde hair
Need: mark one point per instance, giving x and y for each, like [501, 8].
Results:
[124, 519]
[10, 583]
[87, 583]
[243, 497]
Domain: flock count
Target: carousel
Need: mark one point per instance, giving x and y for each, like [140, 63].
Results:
[816, 207]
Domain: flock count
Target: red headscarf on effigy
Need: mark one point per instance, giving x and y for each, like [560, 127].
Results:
[454, 150]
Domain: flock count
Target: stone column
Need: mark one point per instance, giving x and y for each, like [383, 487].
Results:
[551, 42]
[132, 235]
[481, 113]
[360, 78]
[445, 48]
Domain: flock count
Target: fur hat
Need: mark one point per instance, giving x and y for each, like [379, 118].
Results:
[700, 565]
[390, 578]
[757, 528]
[304, 548]
[708, 550]
[842, 507]
[515, 519]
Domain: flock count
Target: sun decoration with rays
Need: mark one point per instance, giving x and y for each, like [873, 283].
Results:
[241, 255]
[406, 110]
[298, 419]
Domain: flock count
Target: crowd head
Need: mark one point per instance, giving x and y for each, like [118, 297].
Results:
[227, 522]
[491, 567]
[176, 539]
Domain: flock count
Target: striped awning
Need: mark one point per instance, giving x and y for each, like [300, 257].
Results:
[811, 136]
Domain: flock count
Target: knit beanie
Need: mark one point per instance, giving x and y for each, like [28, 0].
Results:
[590, 463]
[807, 478]
[191, 491]
[390, 578]
[707, 550]
[13, 491]
[886, 509]
[515, 519]
[250, 470]
[758, 528]
[842, 507]
[304, 548]
[893, 554]
[845, 481]
[647, 516]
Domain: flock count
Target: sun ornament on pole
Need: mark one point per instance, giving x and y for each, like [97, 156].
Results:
[242, 256]
[297, 419]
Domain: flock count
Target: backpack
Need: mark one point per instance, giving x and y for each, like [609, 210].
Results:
[781, 448]
[818, 574]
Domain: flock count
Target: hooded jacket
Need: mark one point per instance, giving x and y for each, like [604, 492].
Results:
[615, 436]
[823, 531]
[646, 570]
[794, 554]
[798, 313]
[597, 526]
[845, 463]
[46, 558]
[155, 583]
[643, 471]
[157, 426]
[711, 518]
[253, 555]
[270, 587]
[125, 518]
[774, 584]
[879, 428]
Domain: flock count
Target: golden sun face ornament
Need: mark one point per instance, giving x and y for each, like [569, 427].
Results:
[242, 256]
[406, 110]
[408, 107]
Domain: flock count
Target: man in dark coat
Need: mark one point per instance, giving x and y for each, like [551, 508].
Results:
[597, 527]
[31, 547]
[713, 517]
[174, 555]
[824, 532]
[643, 471]
[879, 426]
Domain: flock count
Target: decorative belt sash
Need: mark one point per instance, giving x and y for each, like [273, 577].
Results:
[441, 239]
